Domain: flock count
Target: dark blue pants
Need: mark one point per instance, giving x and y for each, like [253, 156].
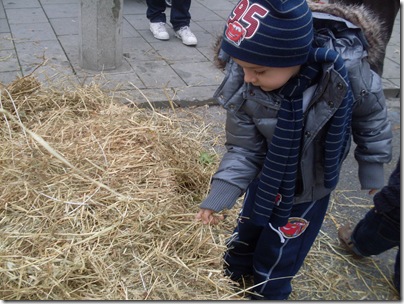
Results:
[376, 233]
[259, 251]
[379, 230]
[179, 16]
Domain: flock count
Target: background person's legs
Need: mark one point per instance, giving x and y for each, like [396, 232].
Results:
[156, 11]
[180, 15]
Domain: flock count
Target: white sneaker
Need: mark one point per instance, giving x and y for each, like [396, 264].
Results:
[186, 35]
[159, 30]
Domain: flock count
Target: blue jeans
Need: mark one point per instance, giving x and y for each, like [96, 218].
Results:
[273, 261]
[376, 233]
[179, 16]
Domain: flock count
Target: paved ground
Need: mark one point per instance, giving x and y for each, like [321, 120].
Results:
[32, 31]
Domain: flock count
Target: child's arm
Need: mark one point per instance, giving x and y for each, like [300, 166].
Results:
[246, 150]
[371, 130]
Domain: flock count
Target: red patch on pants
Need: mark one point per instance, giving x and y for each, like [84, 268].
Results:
[295, 227]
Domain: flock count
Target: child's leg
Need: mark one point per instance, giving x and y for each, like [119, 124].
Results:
[238, 259]
[376, 232]
[275, 263]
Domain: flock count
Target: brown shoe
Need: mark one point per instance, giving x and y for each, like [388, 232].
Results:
[344, 234]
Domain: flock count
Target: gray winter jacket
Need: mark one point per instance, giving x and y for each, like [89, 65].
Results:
[251, 120]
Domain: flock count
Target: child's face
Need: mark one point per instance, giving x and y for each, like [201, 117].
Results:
[267, 78]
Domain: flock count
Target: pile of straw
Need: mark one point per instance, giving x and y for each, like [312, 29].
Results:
[97, 200]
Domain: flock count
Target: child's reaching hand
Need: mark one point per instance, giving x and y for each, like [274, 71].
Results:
[207, 216]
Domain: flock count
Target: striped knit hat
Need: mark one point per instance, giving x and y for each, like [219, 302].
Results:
[275, 33]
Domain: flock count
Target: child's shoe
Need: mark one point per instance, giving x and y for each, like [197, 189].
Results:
[159, 30]
[188, 38]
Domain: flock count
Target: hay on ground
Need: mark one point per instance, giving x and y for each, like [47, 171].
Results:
[97, 201]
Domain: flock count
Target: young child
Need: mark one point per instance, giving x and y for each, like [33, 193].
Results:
[297, 86]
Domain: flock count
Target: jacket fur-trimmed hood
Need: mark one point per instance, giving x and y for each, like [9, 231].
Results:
[356, 14]
[362, 17]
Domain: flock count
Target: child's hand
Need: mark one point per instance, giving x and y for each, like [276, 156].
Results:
[372, 191]
[207, 216]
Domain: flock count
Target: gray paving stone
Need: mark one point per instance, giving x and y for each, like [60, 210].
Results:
[203, 13]
[156, 74]
[82, 73]
[21, 3]
[2, 11]
[8, 61]
[128, 30]
[213, 27]
[70, 45]
[49, 73]
[4, 28]
[32, 32]
[390, 83]
[6, 42]
[396, 82]
[204, 39]
[218, 4]
[25, 15]
[393, 53]
[139, 49]
[62, 10]
[174, 50]
[134, 7]
[65, 26]
[113, 81]
[8, 77]
[198, 73]
[224, 14]
[391, 69]
[44, 2]
[139, 22]
[208, 52]
[396, 39]
[32, 54]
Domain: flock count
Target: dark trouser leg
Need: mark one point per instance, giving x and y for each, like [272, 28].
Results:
[275, 263]
[259, 251]
[180, 15]
[376, 233]
[379, 230]
[239, 257]
[388, 197]
[155, 10]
